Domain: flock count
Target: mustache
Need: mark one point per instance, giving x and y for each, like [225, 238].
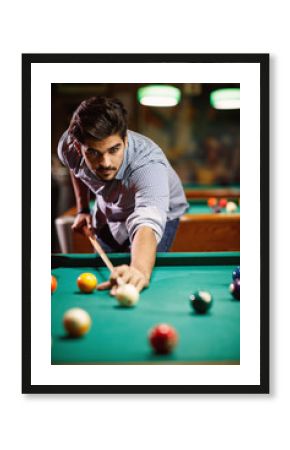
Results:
[103, 169]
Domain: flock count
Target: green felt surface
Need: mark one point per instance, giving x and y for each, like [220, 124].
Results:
[119, 335]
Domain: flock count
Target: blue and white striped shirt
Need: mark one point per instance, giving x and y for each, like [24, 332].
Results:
[145, 191]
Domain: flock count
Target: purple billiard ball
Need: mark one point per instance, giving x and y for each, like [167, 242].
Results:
[235, 289]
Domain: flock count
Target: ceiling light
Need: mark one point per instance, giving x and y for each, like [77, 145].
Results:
[159, 95]
[225, 98]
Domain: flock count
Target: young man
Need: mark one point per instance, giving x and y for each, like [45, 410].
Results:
[139, 197]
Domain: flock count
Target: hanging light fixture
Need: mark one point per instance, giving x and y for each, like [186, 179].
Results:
[228, 98]
[159, 95]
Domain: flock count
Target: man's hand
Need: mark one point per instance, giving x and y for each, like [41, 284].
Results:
[127, 274]
[83, 224]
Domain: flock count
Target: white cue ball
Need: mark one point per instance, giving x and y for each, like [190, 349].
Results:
[77, 322]
[231, 207]
[127, 295]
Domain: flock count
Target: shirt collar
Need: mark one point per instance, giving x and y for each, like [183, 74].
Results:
[121, 171]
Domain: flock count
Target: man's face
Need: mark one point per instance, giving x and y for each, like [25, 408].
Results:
[105, 157]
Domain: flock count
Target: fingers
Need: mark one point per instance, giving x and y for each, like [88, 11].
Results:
[75, 227]
[124, 274]
[83, 224]
[140, 285]
[87, 231]
[89, 221]
[135, 280]
[113, 291]
[107, 285]
[104, 286]
[130, 275]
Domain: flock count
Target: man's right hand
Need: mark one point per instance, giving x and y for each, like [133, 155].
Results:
[83, 224]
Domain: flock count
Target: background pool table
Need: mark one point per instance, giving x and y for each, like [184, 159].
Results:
[119, 335]
[193, 191]
[200, 230]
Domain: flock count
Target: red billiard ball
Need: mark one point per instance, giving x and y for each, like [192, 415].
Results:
[163, 338]
[223, 202]
[212, 202]
[53, 284]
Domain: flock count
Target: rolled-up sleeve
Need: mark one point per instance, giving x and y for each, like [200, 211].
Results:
[61, 147]
[151, 187]
[67, 153]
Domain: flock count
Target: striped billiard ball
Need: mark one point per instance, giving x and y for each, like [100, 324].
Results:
[201, 301]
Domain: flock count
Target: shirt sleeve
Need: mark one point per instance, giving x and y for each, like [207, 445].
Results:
[67, 153]
[151, 188]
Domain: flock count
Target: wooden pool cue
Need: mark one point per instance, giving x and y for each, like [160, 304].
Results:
[103, 256]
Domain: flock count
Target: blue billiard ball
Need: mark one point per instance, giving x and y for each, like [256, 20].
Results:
[236, 273]
[235, 289]
[201, 301]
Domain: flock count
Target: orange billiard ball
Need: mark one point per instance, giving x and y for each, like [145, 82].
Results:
[87, 282]
[53, 284]
[212, 202]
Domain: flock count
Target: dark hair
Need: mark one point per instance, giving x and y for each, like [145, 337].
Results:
[98, 118]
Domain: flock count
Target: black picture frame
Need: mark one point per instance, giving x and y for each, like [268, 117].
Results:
[263, 61]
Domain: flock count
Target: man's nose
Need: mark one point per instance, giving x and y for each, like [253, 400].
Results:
[105, 160]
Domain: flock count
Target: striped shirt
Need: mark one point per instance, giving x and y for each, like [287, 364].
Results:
[145, 191]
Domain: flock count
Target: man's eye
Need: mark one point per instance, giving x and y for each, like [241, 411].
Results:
[114, 150]
[91, 153]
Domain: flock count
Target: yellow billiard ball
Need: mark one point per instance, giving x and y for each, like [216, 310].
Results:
[77, 322]
[87, 282]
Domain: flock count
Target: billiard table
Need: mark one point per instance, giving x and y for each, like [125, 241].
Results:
[199, 230]
[193, 191]
[120, 335]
